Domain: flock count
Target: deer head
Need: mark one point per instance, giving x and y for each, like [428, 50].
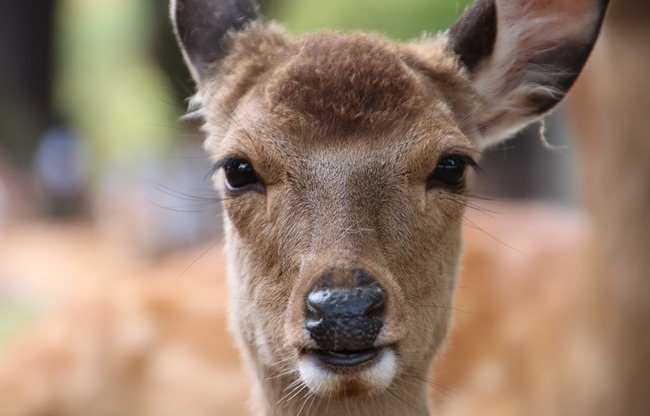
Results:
[342, 160]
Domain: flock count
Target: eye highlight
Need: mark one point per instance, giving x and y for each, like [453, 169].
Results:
[450, 172]
[240, 175]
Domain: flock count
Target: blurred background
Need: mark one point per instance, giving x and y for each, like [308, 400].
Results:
[92, 94]
[110, 231]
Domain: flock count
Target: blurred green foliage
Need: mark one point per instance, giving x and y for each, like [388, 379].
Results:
[107, 83]
[114, 93]
[403, 19]
[14, 317]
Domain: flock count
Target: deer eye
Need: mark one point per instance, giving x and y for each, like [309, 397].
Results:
[240, 175]
[450, 172]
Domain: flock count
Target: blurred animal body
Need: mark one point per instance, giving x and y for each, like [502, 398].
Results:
[341, 159]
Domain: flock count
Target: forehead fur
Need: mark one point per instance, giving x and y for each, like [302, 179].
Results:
[335, 84]
[345, 83]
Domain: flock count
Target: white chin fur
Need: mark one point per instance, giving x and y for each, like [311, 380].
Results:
[326, 383]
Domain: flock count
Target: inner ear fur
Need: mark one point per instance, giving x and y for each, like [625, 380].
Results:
[523, 56]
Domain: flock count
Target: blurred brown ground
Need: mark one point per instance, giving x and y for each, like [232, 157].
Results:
[114, 336]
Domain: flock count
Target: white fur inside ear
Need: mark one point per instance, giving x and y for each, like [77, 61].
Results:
[504, 81]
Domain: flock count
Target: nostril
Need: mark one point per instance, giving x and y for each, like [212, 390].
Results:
[318, 298]
[316, 302]
[377, 298]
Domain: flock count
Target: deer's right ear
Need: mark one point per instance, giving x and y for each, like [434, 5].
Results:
[203, 29]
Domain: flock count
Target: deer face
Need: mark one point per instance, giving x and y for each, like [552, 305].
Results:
[342, 161]
[337, 192]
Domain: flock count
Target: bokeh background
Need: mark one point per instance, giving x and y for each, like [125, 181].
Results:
[112, 300]
[92, 93]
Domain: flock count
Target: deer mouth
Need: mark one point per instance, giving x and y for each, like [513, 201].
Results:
[345, 358]
[346, 375]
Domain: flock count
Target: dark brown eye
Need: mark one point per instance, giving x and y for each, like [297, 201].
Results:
[450, 172]
[240, 175]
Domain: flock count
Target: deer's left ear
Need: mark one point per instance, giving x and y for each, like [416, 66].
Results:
[203, 29]
[523, 56]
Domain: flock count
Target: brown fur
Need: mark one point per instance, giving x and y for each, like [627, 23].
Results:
[533, 332]
[343, 131]
[322, 94]
[346, 84]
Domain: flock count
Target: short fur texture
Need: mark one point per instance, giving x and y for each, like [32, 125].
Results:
[343, 131]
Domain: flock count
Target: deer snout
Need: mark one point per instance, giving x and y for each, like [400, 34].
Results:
[343, 319]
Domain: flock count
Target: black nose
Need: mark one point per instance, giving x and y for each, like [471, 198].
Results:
[345, 317]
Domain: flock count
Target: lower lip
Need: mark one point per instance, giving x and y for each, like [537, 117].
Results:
[345, 358]
[342, 376]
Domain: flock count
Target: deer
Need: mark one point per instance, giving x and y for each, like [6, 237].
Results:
[342, 161]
